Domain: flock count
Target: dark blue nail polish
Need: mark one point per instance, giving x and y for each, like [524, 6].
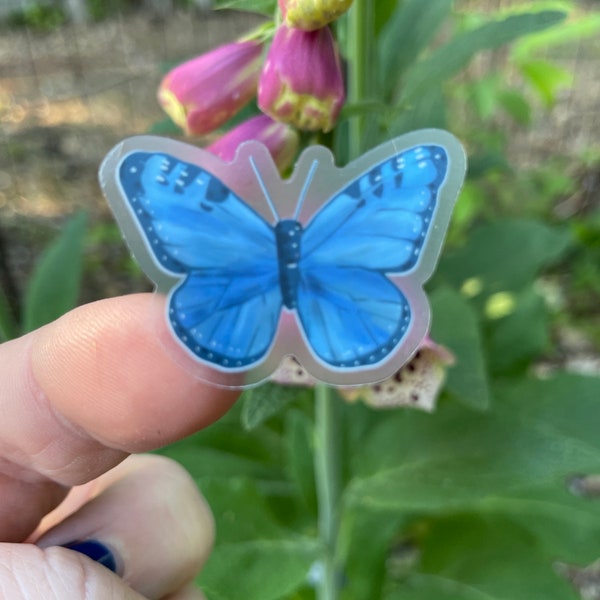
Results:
[96, 551]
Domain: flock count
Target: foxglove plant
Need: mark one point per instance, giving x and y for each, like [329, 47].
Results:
[300, 86]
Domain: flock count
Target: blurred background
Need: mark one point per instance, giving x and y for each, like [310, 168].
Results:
[516, 296]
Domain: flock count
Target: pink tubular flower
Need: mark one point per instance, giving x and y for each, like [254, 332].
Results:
[312, 14]
[205, 92]
[301, 82]
[280, 139]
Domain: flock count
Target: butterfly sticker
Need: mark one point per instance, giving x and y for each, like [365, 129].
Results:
[327, 266]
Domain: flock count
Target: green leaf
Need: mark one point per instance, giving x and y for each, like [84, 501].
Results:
[8, 326]
[225, 450]
[473, 558]
[299, 441]
[520, 336]
[204, 463]
[450, 58]
[265, 401]
[562, 404]
[164, 127]
[375, 531]
[581, 25]
[546, 78]
[429, 111]
[362, 109]
[264, 7]
[505, 255]
[54, 285]
[408, 31]
[250, 543]
[455, 325]
[516, 105]
[483, 94]
[383, 13]
[458, 460]
[258, 570]
[241, 511]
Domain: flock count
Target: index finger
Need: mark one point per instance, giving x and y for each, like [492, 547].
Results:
[81, 393]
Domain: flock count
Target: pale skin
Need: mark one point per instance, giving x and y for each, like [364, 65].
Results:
[77, 397]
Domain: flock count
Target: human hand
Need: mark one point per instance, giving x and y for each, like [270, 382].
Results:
[76, 397]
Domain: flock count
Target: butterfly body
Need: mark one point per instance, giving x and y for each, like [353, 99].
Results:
[337, 282]
[288, 236]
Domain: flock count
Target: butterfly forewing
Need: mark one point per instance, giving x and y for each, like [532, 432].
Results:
[380, 220]
[191, 219]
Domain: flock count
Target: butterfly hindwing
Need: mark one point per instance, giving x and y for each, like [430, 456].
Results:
[230, 324]
[351, 312]
[226, 308]
[351, 317]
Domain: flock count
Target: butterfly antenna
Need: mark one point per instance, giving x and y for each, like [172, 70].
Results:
[263, 188]
[311, 174]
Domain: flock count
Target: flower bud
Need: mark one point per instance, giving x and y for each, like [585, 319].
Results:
[301, 82]
[280, 139]
[205, 92]
[312, 14]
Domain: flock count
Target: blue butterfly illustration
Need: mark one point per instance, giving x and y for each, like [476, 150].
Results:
[344, 272]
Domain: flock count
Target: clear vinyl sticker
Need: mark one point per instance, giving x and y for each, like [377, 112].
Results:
[327, 266]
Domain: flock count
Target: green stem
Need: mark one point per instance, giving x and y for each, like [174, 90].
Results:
[361, 68]
[328, 483]
[356, 40]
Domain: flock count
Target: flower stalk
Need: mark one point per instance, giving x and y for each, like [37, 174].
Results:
[328, 447]
[327, 455]
[358, 51]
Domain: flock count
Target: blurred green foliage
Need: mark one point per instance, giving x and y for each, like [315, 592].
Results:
[38, 16]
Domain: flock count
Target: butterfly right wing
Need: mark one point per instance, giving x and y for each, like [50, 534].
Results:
[226, 308]
[352, 313]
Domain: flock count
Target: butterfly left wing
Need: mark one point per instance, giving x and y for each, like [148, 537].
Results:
[229, 323]
[352, 313]
[227, 304]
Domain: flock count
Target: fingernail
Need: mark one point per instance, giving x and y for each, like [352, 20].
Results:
[96, 551]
